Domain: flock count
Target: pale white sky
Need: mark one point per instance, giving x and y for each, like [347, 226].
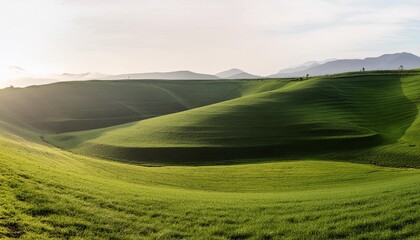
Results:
[258, 36]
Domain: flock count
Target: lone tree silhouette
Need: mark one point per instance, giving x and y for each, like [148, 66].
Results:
[401, 68]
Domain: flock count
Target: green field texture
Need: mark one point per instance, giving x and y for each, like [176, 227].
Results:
[76, 106]
[365, 117]
[47, 193]
[266, 159]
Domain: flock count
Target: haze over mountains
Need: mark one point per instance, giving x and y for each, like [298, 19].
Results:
[313, 68]
[384, 62]
[305, 66]
[235, 73]
[184, 75]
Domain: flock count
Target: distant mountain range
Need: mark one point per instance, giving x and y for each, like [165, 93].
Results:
[313, 68]
[304, 66]
[384, 62]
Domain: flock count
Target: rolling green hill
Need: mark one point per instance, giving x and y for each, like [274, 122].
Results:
[75, 106]
[46, 193]
[333, 114]
[292, 141]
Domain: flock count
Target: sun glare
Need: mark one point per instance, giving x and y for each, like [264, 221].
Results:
[3, 75]
[8, 73]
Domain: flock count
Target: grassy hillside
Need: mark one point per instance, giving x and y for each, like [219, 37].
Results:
[75, 106]
[48, 193]
[339, 114]
[289, 127]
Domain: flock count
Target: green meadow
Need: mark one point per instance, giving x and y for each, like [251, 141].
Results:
[332, 157]
[342, 114]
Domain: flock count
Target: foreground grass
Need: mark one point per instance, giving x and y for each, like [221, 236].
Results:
[48, 193]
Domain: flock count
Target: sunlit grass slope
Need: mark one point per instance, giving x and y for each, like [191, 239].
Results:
[75, 106]
[49, 193]
[406, 150]
[327, 114]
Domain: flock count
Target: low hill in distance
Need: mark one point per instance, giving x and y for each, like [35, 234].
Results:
[235, 73]
[52, 78]
[177, 75]
[229, 73]
[244, 75]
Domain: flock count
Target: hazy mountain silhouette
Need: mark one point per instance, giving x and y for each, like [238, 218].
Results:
[27, 81]
[235, 73]
[51, 78]
[305, 65]
[229, 73]
[177, 75]
[80, 76]
[244, 75]
[384, 62]
[181, 75]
